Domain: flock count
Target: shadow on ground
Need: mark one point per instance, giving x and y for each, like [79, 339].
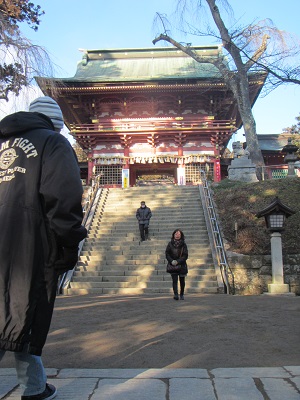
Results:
[203, 331]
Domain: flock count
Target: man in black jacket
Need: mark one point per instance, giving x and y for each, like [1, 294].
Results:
[40, 219]
[143, 215]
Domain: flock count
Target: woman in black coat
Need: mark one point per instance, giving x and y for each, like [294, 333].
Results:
[176, 255]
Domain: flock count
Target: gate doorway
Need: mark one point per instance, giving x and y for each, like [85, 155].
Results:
[144, 175]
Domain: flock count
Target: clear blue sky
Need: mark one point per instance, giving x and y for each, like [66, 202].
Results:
[97, 24]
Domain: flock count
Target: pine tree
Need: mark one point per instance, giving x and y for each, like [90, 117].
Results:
[20, 59]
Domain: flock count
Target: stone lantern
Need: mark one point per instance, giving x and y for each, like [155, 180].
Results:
[290, 158]
[275, 215]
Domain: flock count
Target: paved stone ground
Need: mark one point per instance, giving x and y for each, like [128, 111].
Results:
[207, 347]
[167, 384]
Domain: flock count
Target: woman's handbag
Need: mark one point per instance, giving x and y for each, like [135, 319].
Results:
[173, 268]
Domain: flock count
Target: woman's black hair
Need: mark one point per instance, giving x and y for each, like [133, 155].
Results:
[178, 230]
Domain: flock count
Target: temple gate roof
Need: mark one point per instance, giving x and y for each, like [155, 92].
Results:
[145, 65]
[147, 91]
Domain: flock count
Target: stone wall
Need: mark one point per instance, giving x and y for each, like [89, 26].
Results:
[252, 274]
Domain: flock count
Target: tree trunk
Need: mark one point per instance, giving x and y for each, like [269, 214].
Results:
[251, 138]
[239, 84]
[240, 87]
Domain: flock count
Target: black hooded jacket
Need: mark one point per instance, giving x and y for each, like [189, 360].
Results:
[40, 214]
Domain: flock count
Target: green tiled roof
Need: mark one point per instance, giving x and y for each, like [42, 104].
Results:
[272, 142]
[145, 65]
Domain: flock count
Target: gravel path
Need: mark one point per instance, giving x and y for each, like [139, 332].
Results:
[203, 331]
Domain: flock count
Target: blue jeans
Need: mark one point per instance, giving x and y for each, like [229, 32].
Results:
[30, 371]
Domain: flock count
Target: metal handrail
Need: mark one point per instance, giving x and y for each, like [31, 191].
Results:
[88, 210]
[218, 246]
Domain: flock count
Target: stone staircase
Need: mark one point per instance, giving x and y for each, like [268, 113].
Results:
[115, 261]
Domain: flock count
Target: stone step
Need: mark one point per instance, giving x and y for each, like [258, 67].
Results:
[204, 290]
[159, 191]
[115, 261]
[157, 201]
[156, 216]
[145, 246]
[140, 268]
[197, 253]
[151, 272]
[178, 200]
[117, 258]
[136, 278]
[149, 197]
[157, 188]
[130, 221]
[175, 202]
[155, 242]
[140, 284]
[111, 215]
[152, 199]
[148, 194]
[140, 250]
[129, 224]
[149, 257]
[154, 231]
[111, 236]
[136, 291]
[123, 260]
[134, 266]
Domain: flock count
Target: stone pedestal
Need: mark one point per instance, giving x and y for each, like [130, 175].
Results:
[242, 169]
[277, 286]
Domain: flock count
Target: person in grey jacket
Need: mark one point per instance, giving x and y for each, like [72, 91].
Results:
[143, 215]
[41, 218]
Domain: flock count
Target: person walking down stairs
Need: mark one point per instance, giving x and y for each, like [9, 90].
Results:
[143, 215]
[176, 255]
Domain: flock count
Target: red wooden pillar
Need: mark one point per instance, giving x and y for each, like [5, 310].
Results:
[217, 170]
[126, 154]
[180, 151]
[217, 166]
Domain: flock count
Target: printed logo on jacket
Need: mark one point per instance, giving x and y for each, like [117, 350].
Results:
[8, 156]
